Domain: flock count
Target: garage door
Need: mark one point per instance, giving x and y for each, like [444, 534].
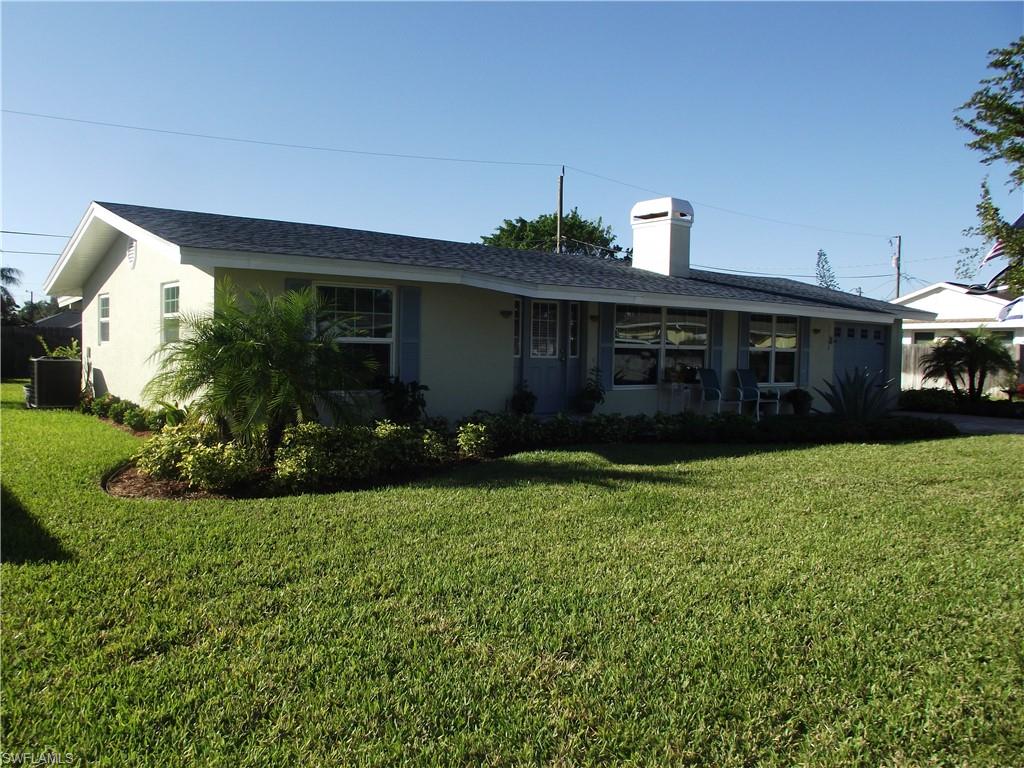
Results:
[860, 345]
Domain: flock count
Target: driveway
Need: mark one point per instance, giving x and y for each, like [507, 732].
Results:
[974, 425]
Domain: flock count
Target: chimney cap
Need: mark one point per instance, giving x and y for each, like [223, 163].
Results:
[661, 208]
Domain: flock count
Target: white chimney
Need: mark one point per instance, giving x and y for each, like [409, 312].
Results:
[661, 235]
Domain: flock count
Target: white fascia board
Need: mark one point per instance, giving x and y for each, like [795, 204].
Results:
[991, 325]
[209, 258]
[933, 288]
[67, 301]
[96, 212]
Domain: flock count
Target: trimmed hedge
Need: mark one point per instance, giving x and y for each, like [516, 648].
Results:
[486, 435]
[314, 457]
[937, 400]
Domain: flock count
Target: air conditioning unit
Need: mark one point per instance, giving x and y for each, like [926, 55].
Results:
[56, 383]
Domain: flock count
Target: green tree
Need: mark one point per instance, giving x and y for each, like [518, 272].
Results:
[967, 362]
[994, 115]
[579, 235]
[9, 278]
[31, 311]
[823, 269]
[259, 363]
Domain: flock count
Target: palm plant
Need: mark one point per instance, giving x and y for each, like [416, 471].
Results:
[858, 396]
[9, 277]
[967, 361]
[259, 363]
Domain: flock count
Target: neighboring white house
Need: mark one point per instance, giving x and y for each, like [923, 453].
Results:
[470, 321]
[958, 306]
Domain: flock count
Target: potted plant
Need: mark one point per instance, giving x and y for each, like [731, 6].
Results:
[591, 394]
[800, 400]
[523, 401]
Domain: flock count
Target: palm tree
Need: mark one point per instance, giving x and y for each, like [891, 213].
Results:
[258, 363]
[968, 360]
[9, 277]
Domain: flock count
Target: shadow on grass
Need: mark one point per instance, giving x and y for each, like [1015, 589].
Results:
[22, 538]
[623, 463]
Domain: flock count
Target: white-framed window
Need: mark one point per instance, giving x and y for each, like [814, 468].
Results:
[544, 329]
[574, 329]
[653, 343]
[365, 317]
[103, 304]
[517, 328]
[773, 348]
[170, 318]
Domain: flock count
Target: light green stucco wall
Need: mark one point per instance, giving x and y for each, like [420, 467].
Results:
[466, 343]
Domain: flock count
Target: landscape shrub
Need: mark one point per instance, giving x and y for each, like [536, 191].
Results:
[117, 410]
[399, 447]
[219, 467]
[136, 419]
[475, 441]
[312, 456]
[935, 400]
[404, 402]
[162, 454]
[437, 447]
[102, 404]
[930, 399]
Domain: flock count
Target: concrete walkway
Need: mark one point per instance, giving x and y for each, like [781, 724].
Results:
[973, 425]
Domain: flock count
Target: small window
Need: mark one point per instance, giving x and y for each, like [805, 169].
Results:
[839, 332]
[574, 330]
[104, 317]
[773, 347]
[924, 337]
[851, 333]
[878, 335]
[544, 329]
[863, 333]
[169, 316]
[517, 328]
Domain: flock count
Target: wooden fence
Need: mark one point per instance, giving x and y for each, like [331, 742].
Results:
[911, 377]
[18, 343]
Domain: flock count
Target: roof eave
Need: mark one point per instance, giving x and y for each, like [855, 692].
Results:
[99, 223]
[335, 267]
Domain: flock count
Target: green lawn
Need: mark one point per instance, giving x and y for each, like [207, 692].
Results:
[655, 605]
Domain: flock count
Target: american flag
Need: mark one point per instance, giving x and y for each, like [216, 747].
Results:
[994, 252]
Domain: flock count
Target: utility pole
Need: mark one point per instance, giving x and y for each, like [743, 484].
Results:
[896, 262]
[558, 224]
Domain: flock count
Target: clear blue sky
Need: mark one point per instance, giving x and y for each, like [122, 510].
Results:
[834, 115]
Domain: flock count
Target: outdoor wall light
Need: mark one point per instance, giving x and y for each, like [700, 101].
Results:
[506, 313]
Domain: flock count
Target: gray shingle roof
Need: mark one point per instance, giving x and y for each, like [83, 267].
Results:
[236, 233]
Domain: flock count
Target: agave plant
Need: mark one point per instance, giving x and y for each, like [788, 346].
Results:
[257, 364]
[858, 396]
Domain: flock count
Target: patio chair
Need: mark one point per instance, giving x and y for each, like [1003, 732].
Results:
[751, 392]
[711, 390]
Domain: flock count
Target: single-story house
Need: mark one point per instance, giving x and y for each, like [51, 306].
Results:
[959, 306]
[474, 322]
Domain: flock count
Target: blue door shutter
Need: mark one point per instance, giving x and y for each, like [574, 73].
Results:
[716, 321]
[803, 342]
[409, 333]
[606, 343]
[743, 342]
[296, 283]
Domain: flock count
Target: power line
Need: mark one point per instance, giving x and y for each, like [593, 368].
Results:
[407, 156]
[32, 234]
[32, 253]
[727, 210]
[282, 144]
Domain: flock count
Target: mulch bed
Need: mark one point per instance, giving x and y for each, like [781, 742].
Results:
[129, 483]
